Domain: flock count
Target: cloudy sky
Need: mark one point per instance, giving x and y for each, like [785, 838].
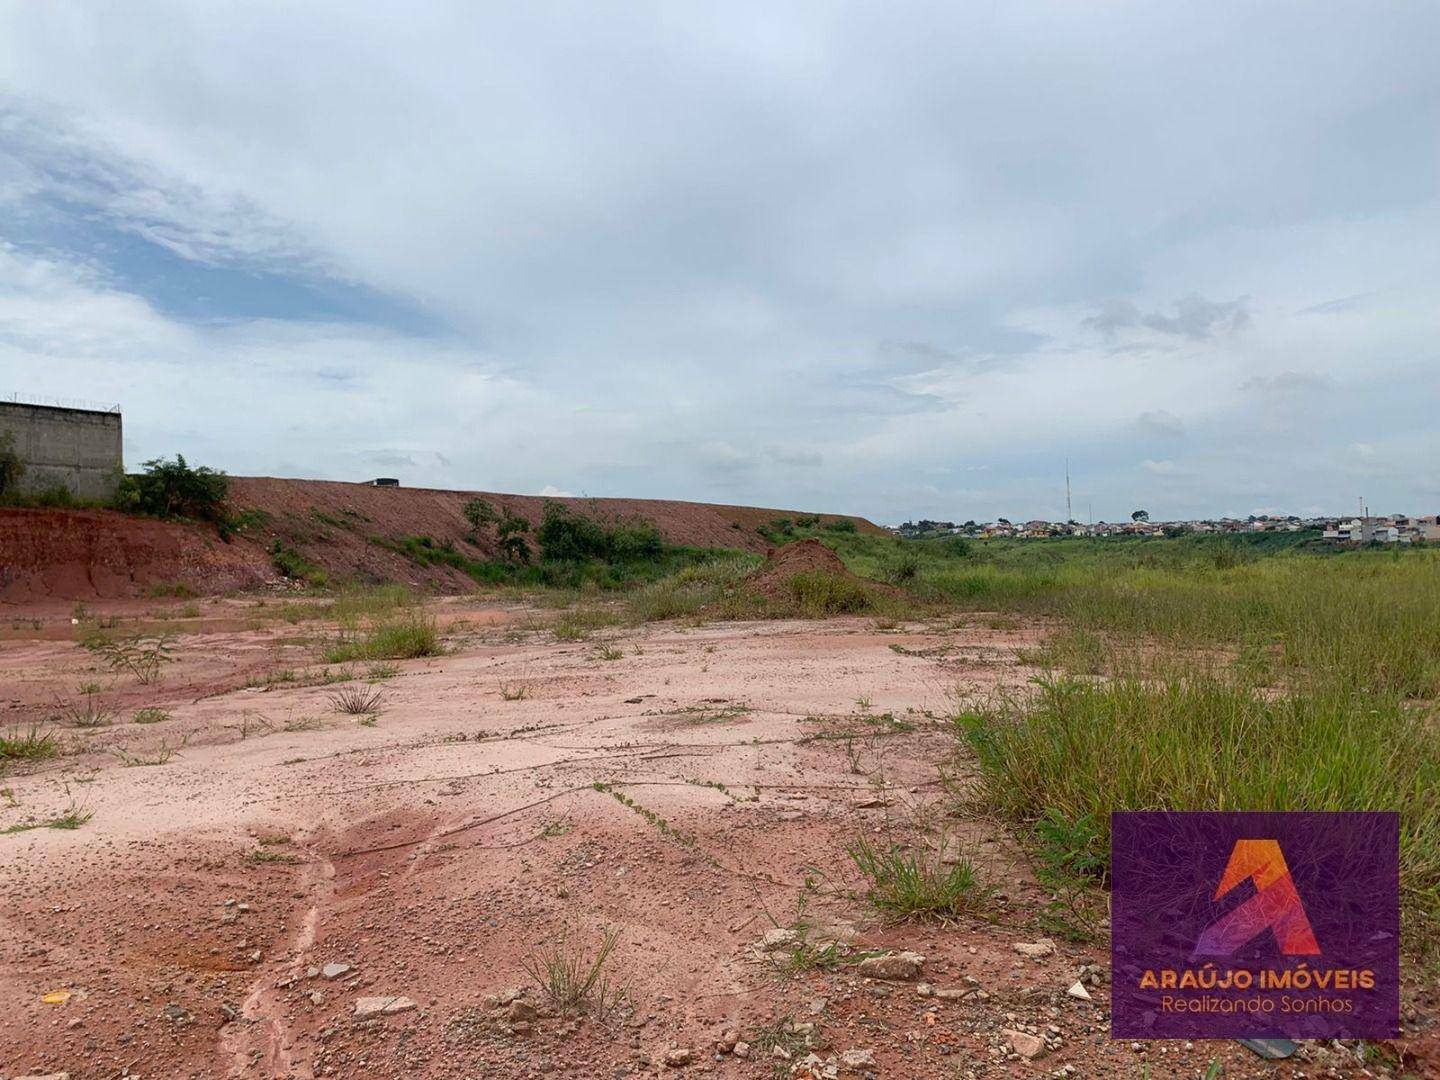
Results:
[895, 259]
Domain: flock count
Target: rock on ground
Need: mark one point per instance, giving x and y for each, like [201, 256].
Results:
[1023, 1043]
[367, 1007]
[901, 965]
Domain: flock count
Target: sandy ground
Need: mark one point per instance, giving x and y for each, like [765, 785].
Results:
[187, 923]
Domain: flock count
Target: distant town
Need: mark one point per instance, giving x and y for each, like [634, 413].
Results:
[1391, 529]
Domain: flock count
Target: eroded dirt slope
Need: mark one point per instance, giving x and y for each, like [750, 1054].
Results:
[67, 555]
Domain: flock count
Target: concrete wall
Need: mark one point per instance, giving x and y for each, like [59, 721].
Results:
[75, 447]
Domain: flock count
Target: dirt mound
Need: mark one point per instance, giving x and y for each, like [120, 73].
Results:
[781, 564]
[102, 554]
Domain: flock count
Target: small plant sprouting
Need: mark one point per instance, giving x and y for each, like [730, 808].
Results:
[73, 817]
[150, 715]
[609, 652]
[573, 981]
[161, 755]
[514, 691]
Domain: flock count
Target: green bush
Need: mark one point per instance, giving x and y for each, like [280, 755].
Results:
[568, 537]
[510, 535]
[479, 514]
[169, 489]
[295, 566]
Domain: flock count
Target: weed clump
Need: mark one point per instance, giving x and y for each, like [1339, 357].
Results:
[405, 635]
[910, 885]
[357, 700]
[573, 981]
[32, 744]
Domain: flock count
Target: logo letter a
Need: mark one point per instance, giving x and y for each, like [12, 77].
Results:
[1275, 906]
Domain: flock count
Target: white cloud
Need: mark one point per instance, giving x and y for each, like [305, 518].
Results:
[787, 256]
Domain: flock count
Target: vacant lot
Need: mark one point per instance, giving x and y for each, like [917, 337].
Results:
[317, 837]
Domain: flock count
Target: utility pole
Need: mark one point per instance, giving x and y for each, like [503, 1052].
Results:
[1069, 514]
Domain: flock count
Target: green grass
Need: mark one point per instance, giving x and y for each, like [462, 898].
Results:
[404, 634]
[73, 818]
[615, 564]
[691, 590]
[33, 744]
[1080, 749]
[909, 884]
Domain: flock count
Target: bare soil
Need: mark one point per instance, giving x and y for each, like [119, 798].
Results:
[181, 930]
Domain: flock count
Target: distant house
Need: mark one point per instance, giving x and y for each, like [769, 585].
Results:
[383, 481]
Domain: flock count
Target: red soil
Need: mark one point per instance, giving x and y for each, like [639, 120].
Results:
[101, 554]
[803, 556]
[90, 554]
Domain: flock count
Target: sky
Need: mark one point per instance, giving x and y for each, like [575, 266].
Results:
[895, 259]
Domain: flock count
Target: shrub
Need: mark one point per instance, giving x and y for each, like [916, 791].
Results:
[841, 525]
[904, 570]
[295, 566]
[568, 537]
[170, 489]
[510, 535]
[480, 514]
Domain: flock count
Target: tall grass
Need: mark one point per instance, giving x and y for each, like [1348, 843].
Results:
[690, 590]
[1080, 749]
[403, 634]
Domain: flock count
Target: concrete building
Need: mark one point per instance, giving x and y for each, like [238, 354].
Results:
[78, 448]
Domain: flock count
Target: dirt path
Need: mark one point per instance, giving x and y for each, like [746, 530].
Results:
[692, 788]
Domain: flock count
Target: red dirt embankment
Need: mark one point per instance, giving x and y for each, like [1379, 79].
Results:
[102, 554]
[88, 554]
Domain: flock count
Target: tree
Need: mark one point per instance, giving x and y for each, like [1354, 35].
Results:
[12, 468]
[173, 489]
[480, 514]
[1140, 515]
[510, 534]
